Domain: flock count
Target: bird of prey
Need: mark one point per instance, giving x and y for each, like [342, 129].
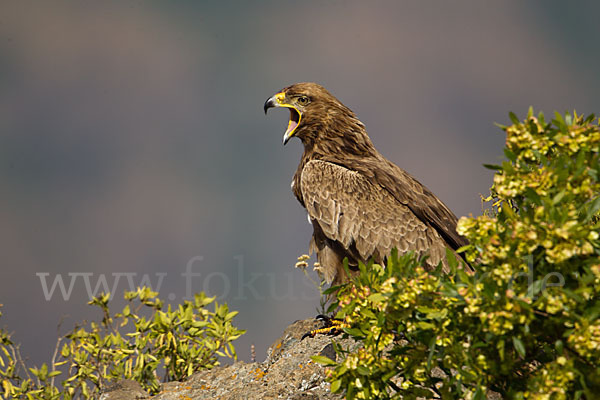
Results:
[360, 205]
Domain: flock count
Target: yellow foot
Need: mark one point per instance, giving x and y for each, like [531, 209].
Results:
[332, 327]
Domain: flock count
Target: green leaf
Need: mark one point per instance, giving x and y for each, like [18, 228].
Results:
[376, 298]
[431, 353]
[332, 307]
[494, 167]
[535, 288]
[451, 258]
[425, 325]
[533, 196]
[362, 370]
[559, 346]
[230, 315]
[323, 360]
[510, 155]
[464, 248]
[559, 196]
[530, 112]
[519, 346]
[593, 208]
[54, 373]
[500, 346]
[336, 385]
[332, 289]
[568, 119]
[357, 333]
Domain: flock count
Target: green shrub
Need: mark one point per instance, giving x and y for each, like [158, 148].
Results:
[175, 343]
[526, 324]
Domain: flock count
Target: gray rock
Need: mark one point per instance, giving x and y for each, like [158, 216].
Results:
[287, 373]
[124, 389]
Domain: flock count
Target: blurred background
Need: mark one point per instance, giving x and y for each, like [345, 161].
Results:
[133, 144]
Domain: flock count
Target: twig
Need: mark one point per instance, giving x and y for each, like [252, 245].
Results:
[53, 360]
[16, 354]
[58, 342]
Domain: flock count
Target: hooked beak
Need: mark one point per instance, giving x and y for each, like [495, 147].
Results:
[279, 100]
[270, 103]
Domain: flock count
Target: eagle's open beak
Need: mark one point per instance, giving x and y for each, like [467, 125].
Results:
[278, 100]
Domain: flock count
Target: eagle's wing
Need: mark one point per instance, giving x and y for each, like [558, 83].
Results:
[408, 191]
[364, 217]
[422, 202]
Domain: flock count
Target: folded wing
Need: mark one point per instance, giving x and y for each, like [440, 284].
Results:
[355, 218]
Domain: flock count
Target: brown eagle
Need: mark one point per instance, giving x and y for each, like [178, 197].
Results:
[360, 204]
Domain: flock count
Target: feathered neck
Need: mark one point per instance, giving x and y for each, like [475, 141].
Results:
[343, 141]
[341, 134]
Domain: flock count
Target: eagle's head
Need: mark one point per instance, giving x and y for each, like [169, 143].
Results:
[314, 112]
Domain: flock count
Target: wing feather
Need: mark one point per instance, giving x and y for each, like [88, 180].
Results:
[352, 211]
[408, 191]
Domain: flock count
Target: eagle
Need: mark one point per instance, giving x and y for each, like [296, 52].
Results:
[360, 204]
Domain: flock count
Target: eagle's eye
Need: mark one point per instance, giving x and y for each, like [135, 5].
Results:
[303, 100]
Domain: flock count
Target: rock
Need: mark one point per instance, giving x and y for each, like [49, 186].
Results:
[125, 389]
[287, 373]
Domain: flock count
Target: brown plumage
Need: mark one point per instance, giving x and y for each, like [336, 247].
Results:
[360, 204]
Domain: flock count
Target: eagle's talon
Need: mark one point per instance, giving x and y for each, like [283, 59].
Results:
[322, 317]
[331, 326]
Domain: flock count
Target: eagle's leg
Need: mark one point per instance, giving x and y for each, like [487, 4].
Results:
[332, 326]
